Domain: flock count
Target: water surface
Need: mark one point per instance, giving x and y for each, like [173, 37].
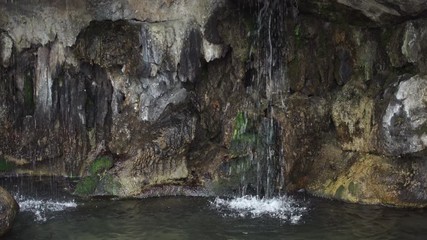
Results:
[206, 218]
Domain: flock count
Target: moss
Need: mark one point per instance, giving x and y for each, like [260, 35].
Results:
[86, 185]
[101, 165]
[240, 125]
[340, 192]
[6, 166]
[353, 188]
[244, 136]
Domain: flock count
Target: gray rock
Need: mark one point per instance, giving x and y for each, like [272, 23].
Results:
[40, 22]
[8, 210]
[6, 48]
[415, 44]
[404, 123]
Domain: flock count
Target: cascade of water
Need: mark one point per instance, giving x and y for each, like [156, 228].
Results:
[271, 77]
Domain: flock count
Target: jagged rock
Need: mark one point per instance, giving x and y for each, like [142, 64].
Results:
[8, 210]
[155, 155]
[404, 124]
[142, 60]
[79, 82]
[376, 9]
[26, 22]
[365, 11]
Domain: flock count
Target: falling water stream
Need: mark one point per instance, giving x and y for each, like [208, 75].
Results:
[266, 155]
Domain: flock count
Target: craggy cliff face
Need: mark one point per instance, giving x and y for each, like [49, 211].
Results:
[162, 97]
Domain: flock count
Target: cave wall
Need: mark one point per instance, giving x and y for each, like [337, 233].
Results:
[169, 97]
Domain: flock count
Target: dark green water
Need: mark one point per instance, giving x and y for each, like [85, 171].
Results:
[201, 218]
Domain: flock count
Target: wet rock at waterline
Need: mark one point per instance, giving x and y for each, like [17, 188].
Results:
[368, 178]
[8, 210]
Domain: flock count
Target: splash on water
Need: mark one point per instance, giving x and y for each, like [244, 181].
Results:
[284, 208]
[42, 208]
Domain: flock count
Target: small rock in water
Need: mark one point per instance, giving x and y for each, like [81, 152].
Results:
[8, 210]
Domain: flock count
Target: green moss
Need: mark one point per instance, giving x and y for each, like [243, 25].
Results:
[240, 125]
[244, 135]
[6, 166]
[86, 185]
[340, 192]
[353, 188]
[101, 165]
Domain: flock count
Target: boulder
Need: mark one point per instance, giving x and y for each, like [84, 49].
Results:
[404, 124]
[8, 210]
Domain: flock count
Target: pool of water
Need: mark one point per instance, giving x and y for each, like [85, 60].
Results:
[56, 215]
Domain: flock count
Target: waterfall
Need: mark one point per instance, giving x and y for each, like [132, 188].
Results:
[260, 165]
[271, 38]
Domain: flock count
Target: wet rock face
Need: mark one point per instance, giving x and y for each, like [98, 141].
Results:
[115, 82]
[26, 24]
[8, 210]
[143, 63]
[171, 94]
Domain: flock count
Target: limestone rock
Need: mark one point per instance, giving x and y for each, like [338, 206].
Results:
[8, 210]
[27, 23]
[405, 120]
[155, 155]
[368, 179]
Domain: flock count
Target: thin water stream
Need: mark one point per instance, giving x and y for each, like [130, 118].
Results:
[294, 217]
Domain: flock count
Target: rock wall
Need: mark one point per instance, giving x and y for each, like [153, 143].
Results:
[218, 97]
[371, 74]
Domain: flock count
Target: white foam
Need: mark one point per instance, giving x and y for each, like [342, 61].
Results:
[283, 208]
[40, 208]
